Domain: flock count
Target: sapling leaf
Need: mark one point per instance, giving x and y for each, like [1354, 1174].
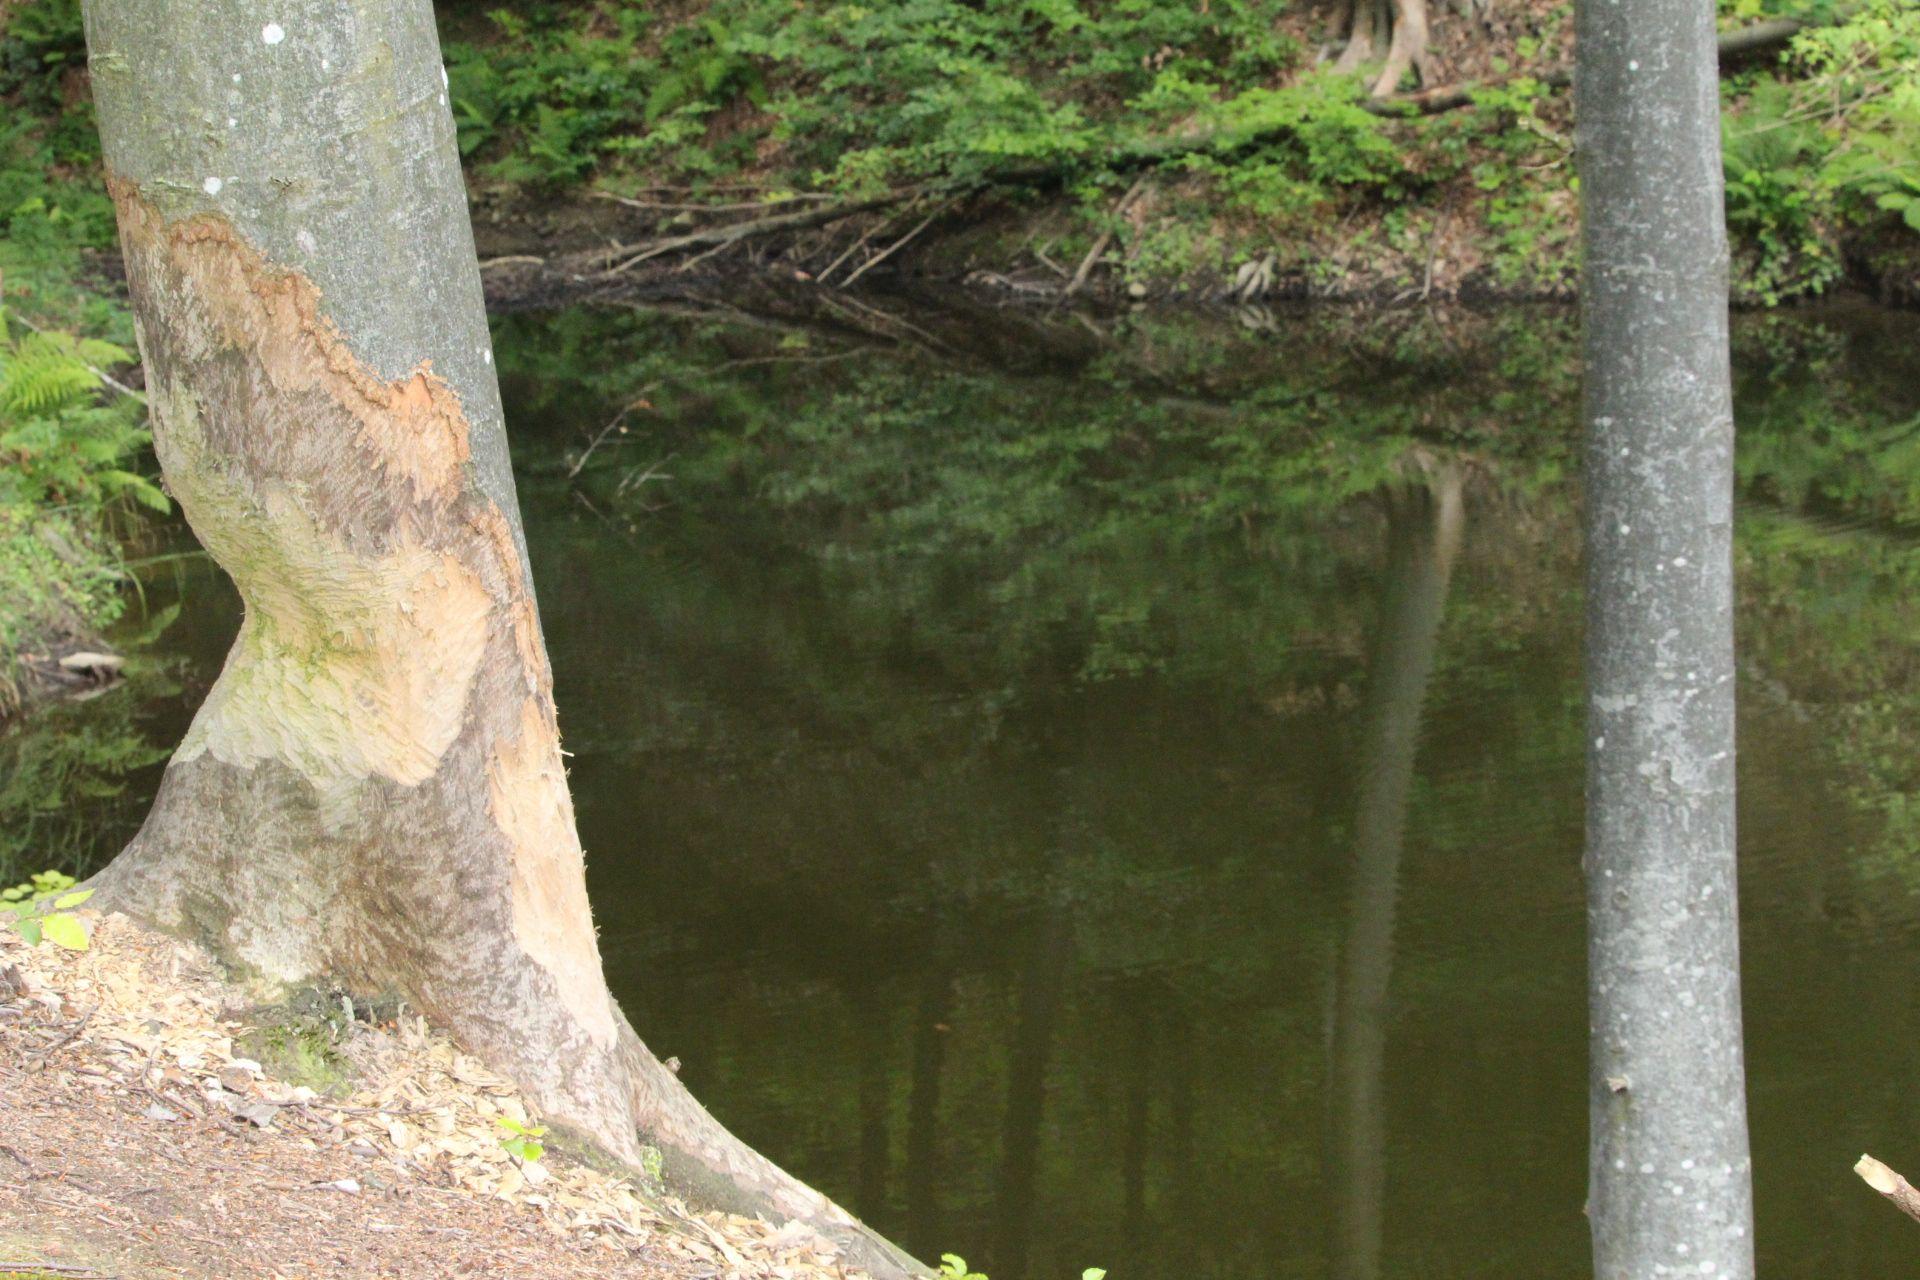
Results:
[65, 931]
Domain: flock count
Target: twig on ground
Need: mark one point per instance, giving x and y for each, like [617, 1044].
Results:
[38, 1059]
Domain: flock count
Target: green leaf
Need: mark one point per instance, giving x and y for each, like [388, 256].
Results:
[66, 931]
[71, 900]
[29, 931]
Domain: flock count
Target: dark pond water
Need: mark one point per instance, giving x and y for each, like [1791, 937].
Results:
[1109, 793]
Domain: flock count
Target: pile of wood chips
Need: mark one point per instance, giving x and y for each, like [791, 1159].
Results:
[140, 1013]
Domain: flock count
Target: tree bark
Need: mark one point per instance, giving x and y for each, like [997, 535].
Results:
[373, 792]
[1670, 1173]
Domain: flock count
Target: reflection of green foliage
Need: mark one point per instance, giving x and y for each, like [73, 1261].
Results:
[1829, 569]
[65, 769]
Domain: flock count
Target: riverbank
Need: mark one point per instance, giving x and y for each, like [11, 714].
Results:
[553, 254]
[152, 1126]
[1041, 155]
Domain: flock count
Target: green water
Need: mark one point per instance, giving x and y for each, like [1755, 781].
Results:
[1088, 794]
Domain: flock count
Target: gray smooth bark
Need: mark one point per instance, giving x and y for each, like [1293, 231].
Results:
[1669, 1167]
[373, 792]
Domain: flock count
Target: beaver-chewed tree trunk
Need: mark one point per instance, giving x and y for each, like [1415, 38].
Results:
[373, 791]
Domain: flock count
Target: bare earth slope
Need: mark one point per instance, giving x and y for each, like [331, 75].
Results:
[136, 1141]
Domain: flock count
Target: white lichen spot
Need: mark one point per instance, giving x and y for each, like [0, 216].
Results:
[232, 123]
[443, 99]
[1633, 66]
[212, 186]
[236, 77]
[443, 78]
[1625, 529]
[1599, 743]
[1680, 560]
[1686, 1164]
[304, 238]
[1646, 1168]
[486, 355]
[273, 33]
[326, 65]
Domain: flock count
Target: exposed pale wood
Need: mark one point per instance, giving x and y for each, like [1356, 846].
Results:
[1889, 1184]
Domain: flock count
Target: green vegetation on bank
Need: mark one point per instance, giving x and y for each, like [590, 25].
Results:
[1256, 159]
[72, 447]
[738, 100]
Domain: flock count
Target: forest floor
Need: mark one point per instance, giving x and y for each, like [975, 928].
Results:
[138, 1141]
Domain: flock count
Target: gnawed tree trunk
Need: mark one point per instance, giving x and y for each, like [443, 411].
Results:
[373, 792]
[1670, 1179]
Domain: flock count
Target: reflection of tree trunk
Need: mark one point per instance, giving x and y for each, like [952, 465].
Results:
[1180, 1111]
[1423, 538]
[1133, 1158]
[1040, 988]
[870, 1191]
[923, 1110]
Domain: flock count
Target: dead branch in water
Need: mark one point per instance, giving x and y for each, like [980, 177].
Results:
[1889, 1184]
[734, 232]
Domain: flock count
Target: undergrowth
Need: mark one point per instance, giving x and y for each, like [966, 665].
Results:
[74, 467]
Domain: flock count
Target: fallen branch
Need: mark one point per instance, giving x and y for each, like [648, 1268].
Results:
[1889, 1184]
[887, 252]
[734, 232]
[1100, 246]
[745, 206]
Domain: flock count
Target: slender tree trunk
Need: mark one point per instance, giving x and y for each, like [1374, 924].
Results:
[1424, 532]
[373, 790]
[1671, 1186]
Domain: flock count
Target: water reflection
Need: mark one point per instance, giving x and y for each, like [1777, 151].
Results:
[1032, 790]
[1424, 528]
